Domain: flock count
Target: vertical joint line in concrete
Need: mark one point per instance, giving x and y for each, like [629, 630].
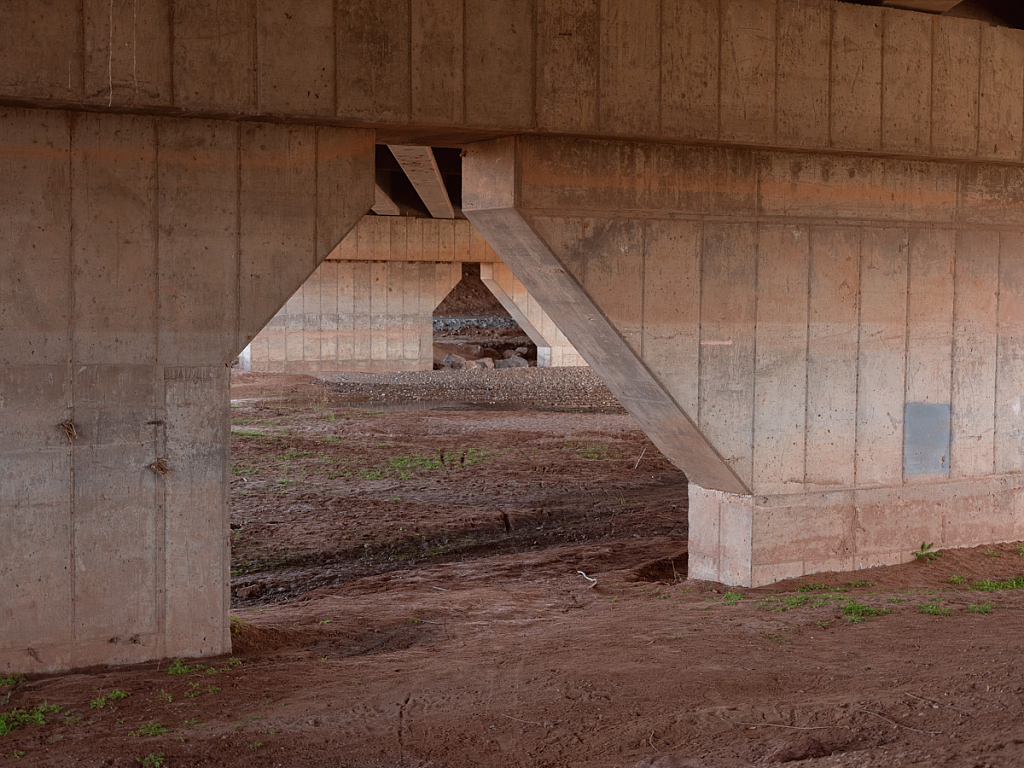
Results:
[316, 201]
[84, 32]
[408, 57]
[256, 55]
[831, 70]
[753, 364]
[931, 87]
[807, 347]
[170, 40]
[700, 317]
[718, 105]
[977, 108]
[856, 386]
[465, 66]
[881, 90]
[953, 349]
[775, 91]
[999, 338]
[643, 286]
[661, 68]
[335, 101]
[906, 353]
[534, 116]
[238, 233]
[71, 372]
[159, 414]
[597, 85]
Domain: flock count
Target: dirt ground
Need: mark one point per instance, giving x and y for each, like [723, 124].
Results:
[507, 587]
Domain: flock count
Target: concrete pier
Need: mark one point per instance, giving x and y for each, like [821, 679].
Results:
[828, 346]
[133, 268]
[369, 306]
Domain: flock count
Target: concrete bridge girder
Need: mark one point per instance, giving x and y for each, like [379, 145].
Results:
[815, 340]
[141, 254]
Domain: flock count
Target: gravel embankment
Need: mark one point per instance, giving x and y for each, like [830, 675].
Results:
[559, 389]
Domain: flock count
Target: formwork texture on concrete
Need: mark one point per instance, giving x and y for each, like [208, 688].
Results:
[814, 74]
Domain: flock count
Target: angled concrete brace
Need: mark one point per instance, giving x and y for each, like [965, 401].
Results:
[490, 189]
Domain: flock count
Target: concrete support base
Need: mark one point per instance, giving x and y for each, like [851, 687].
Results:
[751, 541]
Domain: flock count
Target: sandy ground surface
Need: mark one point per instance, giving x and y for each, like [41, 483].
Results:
[489, 587]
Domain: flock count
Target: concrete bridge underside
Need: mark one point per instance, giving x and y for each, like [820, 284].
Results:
[788, 233]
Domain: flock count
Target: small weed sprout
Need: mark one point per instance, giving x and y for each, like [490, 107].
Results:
[18, 718]
[102, 701]
[988, 585]
[731, 598]
[1020, 549]
[992, 553]
[856, 613]
[980, 608]
[150, 729]
[152, 760]
[927, 553]
[178, 667]
[954, 579]
[933, 609]
[255, 745]
[11, 680]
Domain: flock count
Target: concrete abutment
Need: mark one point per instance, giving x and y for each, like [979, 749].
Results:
[138, 256]
[830, 347]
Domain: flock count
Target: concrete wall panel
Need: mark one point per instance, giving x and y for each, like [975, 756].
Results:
[614, 279]
[296, 48]
[198, 210]
[374, 79]
[499, 62]
[907, 86]
[728, 311]
[802, 90]
[115, 253]
[671, 322]
[41, 51]
[930, 322]
[689, 69]
[215, 56]
[629, 74]
[974, 354]
[955, 81]
[1001, 94]
[856, 101]
[128, 58]
[780, 406]
[437, 61]
[196, 539]
[881, 374]
[1009, 431]
[748, 67]
[832, 355]
[567, 64]
[35, 287]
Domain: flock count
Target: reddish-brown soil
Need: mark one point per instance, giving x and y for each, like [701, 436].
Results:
[415, 588]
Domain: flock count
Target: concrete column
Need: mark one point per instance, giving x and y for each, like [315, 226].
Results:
[828, 346]
[138, 255]
[553, 349]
